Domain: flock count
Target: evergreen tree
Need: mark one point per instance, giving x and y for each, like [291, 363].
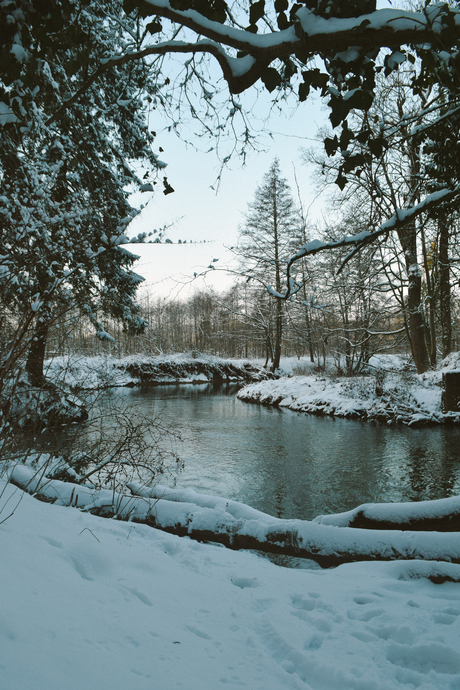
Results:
[272, 223]
[65, 175]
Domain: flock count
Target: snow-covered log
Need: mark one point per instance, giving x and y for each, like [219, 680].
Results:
[442, 515]
[240, 527]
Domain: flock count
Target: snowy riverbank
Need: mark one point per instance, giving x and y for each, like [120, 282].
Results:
[91, 602]
[81, 372]
[388, 393]
[94, 603]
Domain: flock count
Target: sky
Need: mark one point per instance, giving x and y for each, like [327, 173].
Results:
[209, 214]
[205, 212]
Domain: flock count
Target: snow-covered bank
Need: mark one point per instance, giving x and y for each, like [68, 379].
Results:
[389, 396]
[94, 603]
[239, 526]
[388, 392]
[81, 372]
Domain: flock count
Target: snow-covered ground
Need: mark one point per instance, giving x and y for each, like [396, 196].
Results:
[388, 392]
[88, 602]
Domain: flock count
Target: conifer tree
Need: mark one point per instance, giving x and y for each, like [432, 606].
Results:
[272, 223]
[65, 178]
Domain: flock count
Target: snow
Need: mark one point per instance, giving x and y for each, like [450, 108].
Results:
[91, 602]
[395, 59]
[95, 603]
[6, 114]
[395, 512]
[399, 20]
[18, 52]
[415, 400]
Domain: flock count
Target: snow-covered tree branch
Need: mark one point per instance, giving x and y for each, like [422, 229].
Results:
[307, 35]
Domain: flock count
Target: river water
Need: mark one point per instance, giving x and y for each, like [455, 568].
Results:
[294, 465]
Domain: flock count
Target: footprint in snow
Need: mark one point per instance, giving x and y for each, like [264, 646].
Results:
[425, 658]
[243, 582]
[135, 593]
[198, 633]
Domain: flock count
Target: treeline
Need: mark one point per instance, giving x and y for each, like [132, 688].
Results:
[240, 323]
[345, 305]
[344, 315]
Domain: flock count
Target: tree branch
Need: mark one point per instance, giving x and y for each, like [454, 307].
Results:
[311, 35]
[398, 220]
[314, 35]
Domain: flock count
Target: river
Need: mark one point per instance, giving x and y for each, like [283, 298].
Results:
[294, 465]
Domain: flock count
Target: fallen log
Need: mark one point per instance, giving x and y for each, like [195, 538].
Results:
[442, 515]
[240, 527]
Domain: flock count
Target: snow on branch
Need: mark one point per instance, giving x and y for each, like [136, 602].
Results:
[361, 239]
[382, 28]
[310, 35]
[238, 72]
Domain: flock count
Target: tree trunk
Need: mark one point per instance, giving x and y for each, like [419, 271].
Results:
[408, 238]
[268, 348]
[431, 331]
[416, 321]
[238, 526]
[444, 287]
[36, 355]
[307, 316]
[278, 335]
[279, 304]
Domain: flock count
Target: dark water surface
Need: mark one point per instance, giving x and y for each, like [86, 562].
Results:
[295, 465]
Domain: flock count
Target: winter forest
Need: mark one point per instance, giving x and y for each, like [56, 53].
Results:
[153, 523]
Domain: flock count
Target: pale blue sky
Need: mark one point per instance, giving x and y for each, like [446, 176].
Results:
[198, 213]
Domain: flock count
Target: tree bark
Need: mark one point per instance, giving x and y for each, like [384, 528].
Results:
[278, 335]
[36, 355]
[430, 286]
[279, 303]
[445, 287]
[408, 238]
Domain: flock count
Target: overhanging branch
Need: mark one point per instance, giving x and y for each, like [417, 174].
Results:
[312, 35]
[357, 242]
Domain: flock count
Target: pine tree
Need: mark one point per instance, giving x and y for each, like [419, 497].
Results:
[272, 223]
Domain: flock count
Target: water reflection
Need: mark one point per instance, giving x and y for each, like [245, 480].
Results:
[294, 465]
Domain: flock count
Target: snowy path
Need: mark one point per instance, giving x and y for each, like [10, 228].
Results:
[93, 603]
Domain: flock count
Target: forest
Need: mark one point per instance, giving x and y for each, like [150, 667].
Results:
[78, 82]
[342, 313]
